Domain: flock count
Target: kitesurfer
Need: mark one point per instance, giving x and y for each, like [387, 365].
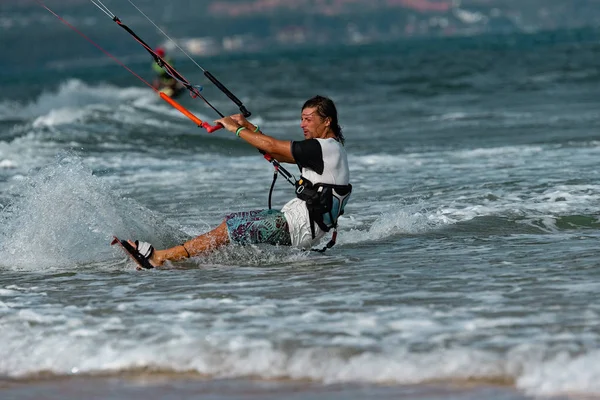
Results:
[162, 80]
[321, 192]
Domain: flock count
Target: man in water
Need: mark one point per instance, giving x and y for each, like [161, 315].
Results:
[321, 192]
[163, 81]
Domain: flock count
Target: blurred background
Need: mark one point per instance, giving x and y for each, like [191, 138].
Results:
[211, 27]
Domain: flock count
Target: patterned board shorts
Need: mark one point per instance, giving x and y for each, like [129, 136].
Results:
[258, 226]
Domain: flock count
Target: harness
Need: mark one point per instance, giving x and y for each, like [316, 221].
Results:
[325, 203]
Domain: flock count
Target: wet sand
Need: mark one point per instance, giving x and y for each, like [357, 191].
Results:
[151, 386]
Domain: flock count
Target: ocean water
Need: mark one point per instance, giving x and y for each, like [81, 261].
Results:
[467, 264]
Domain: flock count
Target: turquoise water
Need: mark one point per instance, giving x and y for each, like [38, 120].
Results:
[466, 265]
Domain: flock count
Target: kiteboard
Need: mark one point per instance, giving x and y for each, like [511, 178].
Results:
[142, 263]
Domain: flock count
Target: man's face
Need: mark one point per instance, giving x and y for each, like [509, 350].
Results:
[312, 124]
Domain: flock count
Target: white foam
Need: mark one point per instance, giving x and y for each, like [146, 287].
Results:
[26, 152]
[242, 356]
[402, 219]
[367, 347]
[7, 164]
[64, 216]
[380, 161]
[71, 97]
[473, 116]
[495, 152]
[562, 373]
[59, 117]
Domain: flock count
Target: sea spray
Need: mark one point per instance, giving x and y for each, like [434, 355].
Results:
[64, 215]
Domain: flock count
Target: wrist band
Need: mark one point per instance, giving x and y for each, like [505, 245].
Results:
[241, 128]
[257, 128]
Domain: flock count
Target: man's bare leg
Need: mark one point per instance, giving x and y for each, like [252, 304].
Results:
[201, 244]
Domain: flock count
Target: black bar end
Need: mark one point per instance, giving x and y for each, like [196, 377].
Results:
[245, 112]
